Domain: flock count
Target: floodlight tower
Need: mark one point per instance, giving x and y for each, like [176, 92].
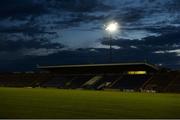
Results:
[111, 28]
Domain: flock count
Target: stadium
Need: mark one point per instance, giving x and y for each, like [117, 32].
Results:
[91, 91]
[83, 49]
[118, 76]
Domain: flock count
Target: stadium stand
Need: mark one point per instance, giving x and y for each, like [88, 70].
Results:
[122, 76]
[93, 82]
[78, 81]
[106, 76]
[174, 85]
[16, 80]
[107, 81]
[54, 81]
[131, 82]
[160, 81]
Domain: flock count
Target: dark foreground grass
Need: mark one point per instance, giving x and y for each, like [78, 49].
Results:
[55, 103]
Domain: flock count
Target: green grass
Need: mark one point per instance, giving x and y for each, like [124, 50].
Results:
[55, 103]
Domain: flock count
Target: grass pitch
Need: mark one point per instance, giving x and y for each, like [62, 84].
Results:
[55, 103]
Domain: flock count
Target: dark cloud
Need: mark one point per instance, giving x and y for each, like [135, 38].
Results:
[78, 5]
[9, 45]
[42, 20]
[33, 12]
[170, 39]
[30, 30]
[20, 48]
[79, 18]
[89, 56]
[174, 6]
[163, 49]
[164, 39]
[130, 15]
[161, 29]
[19, 9]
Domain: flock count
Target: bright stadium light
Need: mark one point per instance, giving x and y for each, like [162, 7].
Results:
[111, 28]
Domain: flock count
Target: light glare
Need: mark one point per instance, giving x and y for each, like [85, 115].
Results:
[112, 27]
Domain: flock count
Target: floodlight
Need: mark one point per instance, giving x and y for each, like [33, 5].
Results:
[112, 27]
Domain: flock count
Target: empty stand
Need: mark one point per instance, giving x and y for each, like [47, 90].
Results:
[17, 80]
[160, 81]
[57, 81]
[130, 82]
[174, 85]
[97, 77]
[78, 81]
[90, 84]
[107, 81]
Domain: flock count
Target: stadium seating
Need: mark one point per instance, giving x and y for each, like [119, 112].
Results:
[174, 85]
[55, 81]
[17, 80]
[160, 81]
[78, 81]
[131, 82]
[108, 80]
[92, 83]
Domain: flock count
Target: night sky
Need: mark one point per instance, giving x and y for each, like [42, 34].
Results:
[55, 32]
